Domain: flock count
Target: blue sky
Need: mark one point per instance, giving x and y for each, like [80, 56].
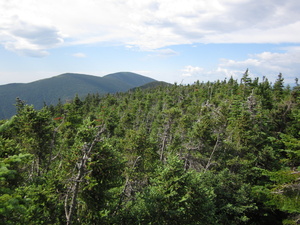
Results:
[170, 40]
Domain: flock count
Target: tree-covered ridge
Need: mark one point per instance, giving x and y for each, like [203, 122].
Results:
[224, 152]
[64, 87]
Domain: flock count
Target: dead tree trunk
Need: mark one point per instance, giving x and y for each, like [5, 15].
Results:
[212, 153]
[164, 143]
[125, 186]
[52, 145]
[71, 196]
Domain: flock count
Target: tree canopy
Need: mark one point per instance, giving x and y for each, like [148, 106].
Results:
[224, 152]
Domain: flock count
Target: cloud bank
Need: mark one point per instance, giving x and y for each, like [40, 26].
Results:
[29, 38]
[33, 26]
[267, 64]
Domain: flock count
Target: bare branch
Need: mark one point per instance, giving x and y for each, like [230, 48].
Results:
[125, 186]
[212, 153]
[70, 207]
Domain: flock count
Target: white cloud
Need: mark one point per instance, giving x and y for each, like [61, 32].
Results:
[190, 71]
[79, 55]
[268, 64]
[147, 24]
[27, 38]
[162, 53]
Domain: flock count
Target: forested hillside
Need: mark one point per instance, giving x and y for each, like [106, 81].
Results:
[224, 152]
[64, 87]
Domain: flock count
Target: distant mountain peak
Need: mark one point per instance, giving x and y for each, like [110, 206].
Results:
[66, 86]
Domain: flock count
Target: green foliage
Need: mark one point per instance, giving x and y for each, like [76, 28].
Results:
[12, 203]
[219, 152]
[172, 197]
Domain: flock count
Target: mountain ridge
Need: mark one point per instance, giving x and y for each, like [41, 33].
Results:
[65, 86]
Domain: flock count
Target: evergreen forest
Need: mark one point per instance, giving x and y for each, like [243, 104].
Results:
[223, 152]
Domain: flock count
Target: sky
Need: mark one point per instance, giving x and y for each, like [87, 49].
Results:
[178, 41]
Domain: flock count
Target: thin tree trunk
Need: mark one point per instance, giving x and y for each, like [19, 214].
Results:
[164, 140]
[52, 145]
[125, 187]
[70, 207]
[163, 148]
[211, 155]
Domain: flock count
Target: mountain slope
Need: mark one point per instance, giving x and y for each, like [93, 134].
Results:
[128, 78]
[153, 84]
[65, 86]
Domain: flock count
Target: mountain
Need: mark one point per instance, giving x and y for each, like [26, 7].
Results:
[65, 86]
